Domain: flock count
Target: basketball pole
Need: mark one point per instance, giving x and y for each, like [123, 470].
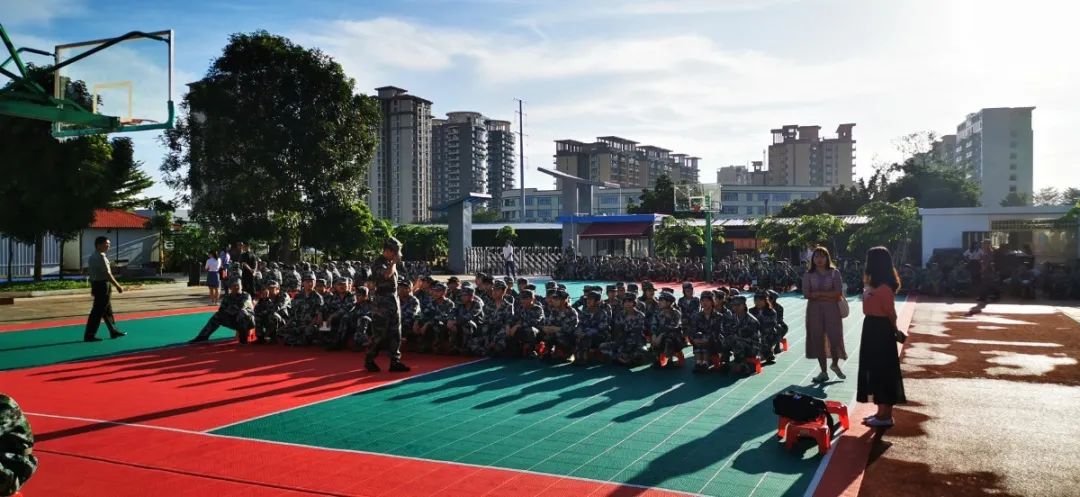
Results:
[708, 239]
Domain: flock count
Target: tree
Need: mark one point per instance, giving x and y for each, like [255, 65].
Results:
[424, 243]
[932, 185]
[50, 186]
[890, 224]
[1048, 196]
[505, 233]
[1014, 199]
[487, 216]
[1070, 196]
[162, 223]
[775, 234]
[344, 229]
[679, 238]
[127, 177]
[271, 135]
[818, 229]
[659, 200]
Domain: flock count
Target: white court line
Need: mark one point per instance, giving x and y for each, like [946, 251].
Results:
[353, 451]
[351, 392]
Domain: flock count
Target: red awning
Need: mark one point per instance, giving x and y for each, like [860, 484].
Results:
[616, 230]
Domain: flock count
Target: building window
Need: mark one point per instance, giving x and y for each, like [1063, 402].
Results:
[1012, 156]
[749, 198]
[609, 199]
[729, 196]
[749, 209]
[1012, 189]
[781, 197]
[530, 214]
[1012, 144]
[1012, 177]
[529, 201]
[762, 197]
[543, 201]
[1012, 132]
[1012, 166]
[729, 209]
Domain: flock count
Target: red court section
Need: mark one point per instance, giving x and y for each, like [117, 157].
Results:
[199, 387]
[55, 323]
[126, 461]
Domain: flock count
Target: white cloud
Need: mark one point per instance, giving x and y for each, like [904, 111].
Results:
[39, 11]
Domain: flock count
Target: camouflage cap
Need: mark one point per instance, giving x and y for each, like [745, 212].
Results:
[687, 284]
[561, 287]
[527, 294]
[273, 284]
[773, 294]
[707, 295]
[468, 291]
[453, 279]
[392, 243]
[235, 282]
[647, 285]
[667, 297]
[340, 280]
[632, 287]
[499, 285]
[612, 288]
[439, 286]
[629, 297]
[308, 276]
[551, 284]
[466, 284]
[561, 295]
[361, 291]
[667, 290]
[620, 284]
[404, 283]
[738, 299]
[593, 295]
[761, 296]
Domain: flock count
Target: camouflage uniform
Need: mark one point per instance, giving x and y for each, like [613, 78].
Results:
[271, 314]
[688, 306]
[529, 320]
[703, 333]
[303, 315]
[410, 311]
[290, 280]
[17, 461]
[236, 312]
[593, 329]
[468, 321]
[746, 338]
[386, 317]
[498, 317]
[335, 308]
[627, 345]
[357, 322]
[667, 336]
[770, 336]
[562, 340]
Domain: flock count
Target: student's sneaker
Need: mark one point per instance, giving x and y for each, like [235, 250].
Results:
[91, 339]
[372, 367]
[821, 378]
[117, 334]
[399, 367]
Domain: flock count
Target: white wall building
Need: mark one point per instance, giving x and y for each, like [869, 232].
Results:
[1036, 228]
[545, 205]
[760, 200]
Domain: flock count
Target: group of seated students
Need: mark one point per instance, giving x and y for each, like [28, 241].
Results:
[490, 317]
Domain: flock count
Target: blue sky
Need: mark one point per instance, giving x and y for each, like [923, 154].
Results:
[703, 77]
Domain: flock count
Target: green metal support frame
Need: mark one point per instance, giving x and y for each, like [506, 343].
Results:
[27, 99]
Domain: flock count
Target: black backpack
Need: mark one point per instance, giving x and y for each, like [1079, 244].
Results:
[801, 407]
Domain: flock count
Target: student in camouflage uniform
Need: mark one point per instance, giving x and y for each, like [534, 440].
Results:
[410, 312]
[236, 312]
[453, 289]
[467, 322]
[594, 324]
[357, 321]
[689, 305]
[781, 325]
[612, 303]
[498, 313]
[336, 306]
[627, 345]
[702, 331]
[769, 322]
[271, 312]
[386, 321]
[17, 461]
[746, 336]
[434, 322]
[523, 331]
[667, 338]
[305, 314]
[290, 281]
[559, 329]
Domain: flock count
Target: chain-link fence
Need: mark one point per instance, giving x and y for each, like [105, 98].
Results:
[535, 261]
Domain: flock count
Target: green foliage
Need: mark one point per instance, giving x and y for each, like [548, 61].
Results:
[194, 243]
[890, 224]
[273, 137]
[840, 201]
[932, 185]
[1049, 196]
[424, 243]
[487, 216]
[505, 233]
[48, 285]
[817, 229]
[679, 238]
[659, 200]
[1014, 199]
[774, 233]
[343, 229]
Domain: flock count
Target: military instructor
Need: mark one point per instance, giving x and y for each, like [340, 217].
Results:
[101, 284]
[386, 318]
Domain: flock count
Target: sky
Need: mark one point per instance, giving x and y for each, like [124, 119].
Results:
[709, 78]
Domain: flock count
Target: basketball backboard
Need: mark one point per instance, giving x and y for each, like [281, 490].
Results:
[697, 198]
[128, 78]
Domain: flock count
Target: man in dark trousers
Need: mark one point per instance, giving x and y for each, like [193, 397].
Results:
[386, 315]
[101, 285]
[247, 268]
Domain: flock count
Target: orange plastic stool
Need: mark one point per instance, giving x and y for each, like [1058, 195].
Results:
[251, 337]
[839, 409]
[784, 344]
[817, 429]
[756, 363]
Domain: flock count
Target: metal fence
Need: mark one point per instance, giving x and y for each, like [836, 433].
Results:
[538, 261]
[22, 257]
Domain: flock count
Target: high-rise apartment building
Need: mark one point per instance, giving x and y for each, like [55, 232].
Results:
[618, 160]
[799, 156]
[995, 147]
[400, 176]
[733, 175]
[500, 159]
[459, 147]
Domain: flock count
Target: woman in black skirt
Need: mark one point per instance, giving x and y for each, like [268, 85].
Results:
[879, 361]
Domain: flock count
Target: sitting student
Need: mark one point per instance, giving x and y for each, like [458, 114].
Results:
[745, 337]
[702, 331]
[467, 321]
[336, 306]
[613, 302]
[236, 312]
[651, 306]
[594, 322]
[497, 316]
[521, 335]
[410, 312]
[17, 461]
[781, 325]
[453, 289]
[305, 316]
[667, 339]
[627, 345]
[434, 323]
[767, 318]
[559, 328]
[271, 312]
[689, 305]
[357, 322]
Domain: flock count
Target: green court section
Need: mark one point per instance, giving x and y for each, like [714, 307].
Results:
[710, 434]
[22, 349]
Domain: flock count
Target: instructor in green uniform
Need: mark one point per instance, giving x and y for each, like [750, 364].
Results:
[101, 284]
[386, 315]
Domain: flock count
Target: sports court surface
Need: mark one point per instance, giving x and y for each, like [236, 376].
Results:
[120, 417]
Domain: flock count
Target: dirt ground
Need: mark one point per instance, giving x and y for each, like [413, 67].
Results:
[994, 395]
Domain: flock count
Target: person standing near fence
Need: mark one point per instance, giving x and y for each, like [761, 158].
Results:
[101, 285]
[509, 263]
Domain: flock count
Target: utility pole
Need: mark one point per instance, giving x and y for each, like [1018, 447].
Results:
[521, 154]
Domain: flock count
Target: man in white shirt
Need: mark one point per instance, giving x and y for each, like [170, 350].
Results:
[508, 259]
